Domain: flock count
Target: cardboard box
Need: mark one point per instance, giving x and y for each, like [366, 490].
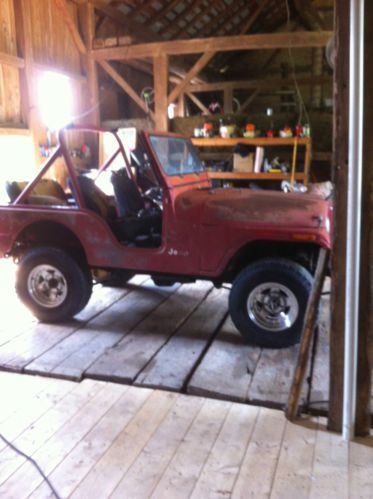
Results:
[245, 164]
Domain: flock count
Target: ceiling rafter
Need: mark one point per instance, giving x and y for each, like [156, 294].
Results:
[207, 25]
[224, 20]
[187, 8]
[199, 15]
[162, 12]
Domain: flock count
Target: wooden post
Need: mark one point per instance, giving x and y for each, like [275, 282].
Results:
[228, 100]
[365, 346]
[161, 92]
[27, 75]
[87, 21]
[308, 329]
[340, 175]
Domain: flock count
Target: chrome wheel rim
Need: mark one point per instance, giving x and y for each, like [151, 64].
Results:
[47, 286]
[272, 306]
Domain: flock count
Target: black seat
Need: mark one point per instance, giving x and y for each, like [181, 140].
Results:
[143, 223]
[127, 196]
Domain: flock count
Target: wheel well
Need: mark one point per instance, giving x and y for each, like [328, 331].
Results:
[48, 233]
[304, 254]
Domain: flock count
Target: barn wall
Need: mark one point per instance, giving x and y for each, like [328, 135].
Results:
[10, 104]
[52, 47]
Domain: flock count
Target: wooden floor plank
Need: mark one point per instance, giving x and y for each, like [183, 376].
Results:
[273, 376]
[30, 345]
[103, 331]
[259, 464]
[72, 470]
[22, 421]
[132, 354]
[125, 449]
[143, 475]
[35, 432]
[361, 467]
[223, 372]
[105, 296]
[224, 461]
[293, 476]
[25, 480]
[330, 469]
[185, 467]
[171, 367]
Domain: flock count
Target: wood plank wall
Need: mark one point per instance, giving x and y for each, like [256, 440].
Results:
[52, 48]
[10, 103]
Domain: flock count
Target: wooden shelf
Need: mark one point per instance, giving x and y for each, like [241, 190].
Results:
[258, 141]
[253, 176]
[219, 142]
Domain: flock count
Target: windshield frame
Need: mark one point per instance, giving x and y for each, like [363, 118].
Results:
[190, 151]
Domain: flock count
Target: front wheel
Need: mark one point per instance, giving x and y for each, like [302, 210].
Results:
[52, 284]
[268, 301]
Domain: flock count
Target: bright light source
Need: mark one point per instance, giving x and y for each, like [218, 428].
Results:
[18, 160]
[55, 100]
[171, 111]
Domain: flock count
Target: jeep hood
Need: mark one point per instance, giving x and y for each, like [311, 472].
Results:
[264, 207]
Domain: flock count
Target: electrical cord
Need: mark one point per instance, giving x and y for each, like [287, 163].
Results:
[33, 462]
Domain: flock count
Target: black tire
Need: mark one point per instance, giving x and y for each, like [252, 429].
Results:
[268, 301]
[52, 284]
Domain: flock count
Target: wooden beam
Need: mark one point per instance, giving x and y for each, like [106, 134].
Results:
[161, 91]
[260, 83]
[11, 60]
[87, 21]
[124, 85]
[339, 177]
[71, 26]
[112, 41]
[198, 103]
[365, 346]
[198, 66]
[299, 39]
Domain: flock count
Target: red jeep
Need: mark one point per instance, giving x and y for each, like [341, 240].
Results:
[150, 208]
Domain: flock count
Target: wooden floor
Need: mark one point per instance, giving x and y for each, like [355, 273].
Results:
[98, 439]
[177, 339]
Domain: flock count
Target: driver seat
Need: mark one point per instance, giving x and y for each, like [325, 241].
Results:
[141, 219]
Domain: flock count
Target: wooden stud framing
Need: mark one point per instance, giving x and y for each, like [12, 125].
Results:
[161, 91]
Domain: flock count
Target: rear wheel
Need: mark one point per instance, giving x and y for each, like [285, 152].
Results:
[268, 302]
[52, 284]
